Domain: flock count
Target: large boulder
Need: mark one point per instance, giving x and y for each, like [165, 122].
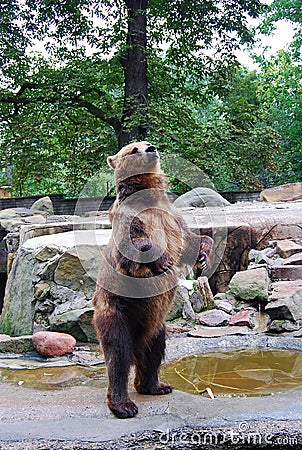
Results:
[43, 204]
[51, 284]
[250, 285]
[283, 193]
[200, 197]
[285, 301]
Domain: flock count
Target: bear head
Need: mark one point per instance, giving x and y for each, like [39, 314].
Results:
[138, 158]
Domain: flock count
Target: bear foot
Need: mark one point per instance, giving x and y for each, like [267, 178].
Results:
[123, 410]
[158, 389]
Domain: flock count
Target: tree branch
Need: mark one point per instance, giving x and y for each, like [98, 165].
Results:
[17, 101]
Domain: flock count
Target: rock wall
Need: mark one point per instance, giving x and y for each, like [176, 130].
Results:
[52, 282]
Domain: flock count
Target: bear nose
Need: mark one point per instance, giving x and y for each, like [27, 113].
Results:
[151, 149]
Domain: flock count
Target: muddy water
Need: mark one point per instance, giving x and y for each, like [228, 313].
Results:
[237, 373]
[50, 375]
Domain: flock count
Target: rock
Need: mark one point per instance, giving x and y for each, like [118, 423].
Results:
[77, 269]
[207, 295]
[188, 311]
[287, 248]
[41, 290]
[4, 337]
[177, 329]
[12, 219]
[285, 272]
[213, 318]
[46, 253]
[18, 310]
[224, 306]
[234, 256]
[285, 301]
[250, 285]
[176, 308]
[20, 344]
[78, 323]
[283, 193]
[243, 317]
[281, 326]
[201, 197]
[293, 260]
[261, 321]
[43, 204]
[261, 256]
[29, 302]
[204, 332]
[53, 344]
[220, 296]
[46, 270]
[197, 302]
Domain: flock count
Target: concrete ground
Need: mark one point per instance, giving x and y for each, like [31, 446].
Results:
[78, 418]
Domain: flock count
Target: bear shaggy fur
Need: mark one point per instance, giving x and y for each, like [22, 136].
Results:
[138, 278]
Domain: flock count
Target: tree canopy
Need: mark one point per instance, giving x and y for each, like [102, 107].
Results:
[116, 71]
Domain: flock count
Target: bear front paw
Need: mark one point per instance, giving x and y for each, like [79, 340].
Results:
[202, 262]
[162, 264]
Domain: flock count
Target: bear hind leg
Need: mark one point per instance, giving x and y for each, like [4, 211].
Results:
[147, 367]
[118, 352]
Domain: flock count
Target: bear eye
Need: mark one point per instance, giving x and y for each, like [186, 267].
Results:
[134, 150]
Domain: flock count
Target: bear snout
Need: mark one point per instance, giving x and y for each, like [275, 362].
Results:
[151, 149]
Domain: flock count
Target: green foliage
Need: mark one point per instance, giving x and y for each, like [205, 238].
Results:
[280, 93]
[62, 114]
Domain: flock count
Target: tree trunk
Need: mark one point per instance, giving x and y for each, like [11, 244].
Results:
[135, 115]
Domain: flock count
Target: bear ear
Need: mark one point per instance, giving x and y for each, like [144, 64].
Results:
[110, 161]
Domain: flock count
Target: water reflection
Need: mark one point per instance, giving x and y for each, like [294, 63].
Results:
[246, 372]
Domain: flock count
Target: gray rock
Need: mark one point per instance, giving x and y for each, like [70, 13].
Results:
[261, 256]
[293, 260]
[224, 306]
[43, 204]
[201, 197]
[285, 301]
[187, 311]
[78, 323]
[197, 302]
[220, 296]
[41, 290]
[76, 267]
[281, 326]
[21, 344]
[46, 253]
[29, 302]
[207, 332]
[18, 310]
[250, 285]
[45, 271]
[176, 308]
[213, 318]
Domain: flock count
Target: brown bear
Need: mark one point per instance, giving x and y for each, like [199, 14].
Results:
[138, 275]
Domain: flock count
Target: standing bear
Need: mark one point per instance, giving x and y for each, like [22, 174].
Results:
[138, 275]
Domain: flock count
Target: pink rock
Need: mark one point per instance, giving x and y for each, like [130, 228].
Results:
[283, 193]
[242, 317]
[287, 248]
[294, 260]
[49, 343]
[214, 318]
[4, 337]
